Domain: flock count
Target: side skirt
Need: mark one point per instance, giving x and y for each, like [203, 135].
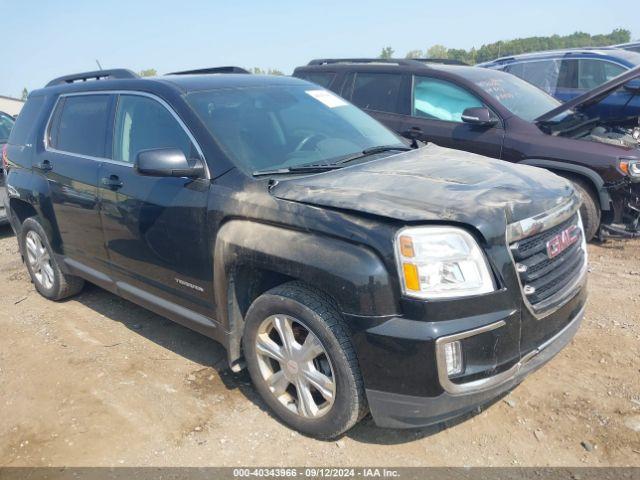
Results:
[177, 313]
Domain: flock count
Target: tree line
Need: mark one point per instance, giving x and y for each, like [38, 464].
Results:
[491, 51]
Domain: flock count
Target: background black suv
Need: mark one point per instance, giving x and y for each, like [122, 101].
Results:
[501, 116]
[347, 271]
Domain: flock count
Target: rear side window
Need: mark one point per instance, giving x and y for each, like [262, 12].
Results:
[543, 73]
[141, 124]
[323, 79]
[80, 125]
[26, 121]
[377, 91]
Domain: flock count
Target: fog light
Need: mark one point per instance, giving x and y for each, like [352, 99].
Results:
[453, 357]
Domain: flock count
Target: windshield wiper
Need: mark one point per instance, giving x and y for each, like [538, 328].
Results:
[321, 167]
[372, 151]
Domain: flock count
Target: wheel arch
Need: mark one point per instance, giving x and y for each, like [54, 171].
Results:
[251, 258]
[570, 170]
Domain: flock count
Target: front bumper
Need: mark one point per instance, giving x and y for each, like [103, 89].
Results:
[406, 411]
[624, 217]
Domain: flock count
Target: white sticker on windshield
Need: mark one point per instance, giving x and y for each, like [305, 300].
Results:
[328, 98]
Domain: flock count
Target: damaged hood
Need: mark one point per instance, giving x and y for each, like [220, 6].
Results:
[592, 96]
[434, 184]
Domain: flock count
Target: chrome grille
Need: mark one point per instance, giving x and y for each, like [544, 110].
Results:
[547, 282]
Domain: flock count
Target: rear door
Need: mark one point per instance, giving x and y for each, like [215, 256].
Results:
[436, 116]
[155, 227]
[382, 95]
[76, 141]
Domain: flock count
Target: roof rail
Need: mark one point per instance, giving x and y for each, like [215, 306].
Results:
[116, 73]
[392, 61]
[229, 69]
[442, 61]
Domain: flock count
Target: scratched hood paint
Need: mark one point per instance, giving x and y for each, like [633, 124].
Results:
[434, 184]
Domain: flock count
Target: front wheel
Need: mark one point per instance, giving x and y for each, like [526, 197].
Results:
[302, 362]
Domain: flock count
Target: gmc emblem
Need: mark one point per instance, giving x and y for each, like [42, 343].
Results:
[563, 240]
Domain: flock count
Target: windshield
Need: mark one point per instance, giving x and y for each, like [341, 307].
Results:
[6, 124]
[271, 127]
[519, 97]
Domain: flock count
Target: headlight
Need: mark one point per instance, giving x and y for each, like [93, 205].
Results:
[630, 166]
[441, 262]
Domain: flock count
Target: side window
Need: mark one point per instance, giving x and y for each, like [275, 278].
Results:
[80, 125]
[377, 91]
[516, 69]
[323, 79]
[441, 100]
[543, 74]
[143, 123]
[593, 72]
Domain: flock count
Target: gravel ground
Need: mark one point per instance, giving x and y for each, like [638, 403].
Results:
[98, 381]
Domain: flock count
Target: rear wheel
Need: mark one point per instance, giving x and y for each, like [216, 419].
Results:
[302, 362]
[45, 273]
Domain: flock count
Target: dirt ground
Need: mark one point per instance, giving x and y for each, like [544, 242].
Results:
[98, 381]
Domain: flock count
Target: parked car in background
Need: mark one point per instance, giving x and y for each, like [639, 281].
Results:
[349, 272]
[631, 46]
[6, 124]
[498, 115]
[567, 74]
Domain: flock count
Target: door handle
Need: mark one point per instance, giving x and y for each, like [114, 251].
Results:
[112, 181]
[45, 166]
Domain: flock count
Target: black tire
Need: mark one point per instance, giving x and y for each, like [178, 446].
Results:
[590, 208]
[320, 316]
[62, 285]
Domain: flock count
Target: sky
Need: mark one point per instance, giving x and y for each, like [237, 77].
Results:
[46, 39]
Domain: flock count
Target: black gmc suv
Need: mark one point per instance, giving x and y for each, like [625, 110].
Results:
[499, 115]
[348, 272]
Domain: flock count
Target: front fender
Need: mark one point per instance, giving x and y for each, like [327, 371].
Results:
[591, 175]
[353, 275]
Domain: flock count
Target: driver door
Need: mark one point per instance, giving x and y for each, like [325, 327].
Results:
[436, 116]
[155, 228]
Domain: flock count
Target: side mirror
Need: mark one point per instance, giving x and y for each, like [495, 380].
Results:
[167, 162]
[480, 116]
[633, 86]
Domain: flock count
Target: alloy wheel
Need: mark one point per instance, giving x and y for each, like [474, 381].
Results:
[295, 366]
[39, 259]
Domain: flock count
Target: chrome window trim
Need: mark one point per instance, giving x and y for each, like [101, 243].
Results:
[487, 383]
[118, 93]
